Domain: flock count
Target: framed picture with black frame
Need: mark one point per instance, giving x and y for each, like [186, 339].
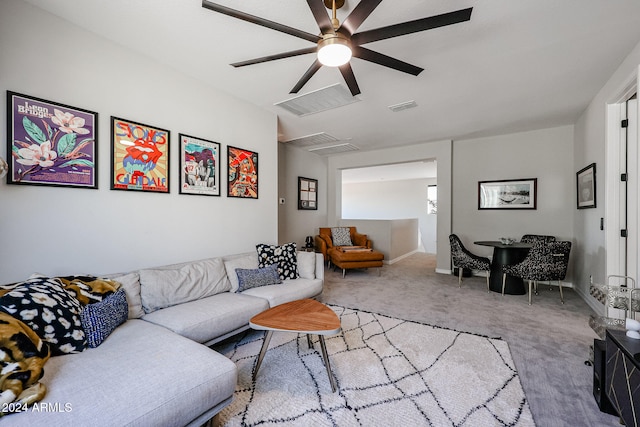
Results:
[586, 187]
[199, 166]
[51, 144]
[242, 169]
[139, 157]
[307, 194]
[509, 194]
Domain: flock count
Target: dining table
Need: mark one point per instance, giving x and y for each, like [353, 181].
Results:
[506, 254]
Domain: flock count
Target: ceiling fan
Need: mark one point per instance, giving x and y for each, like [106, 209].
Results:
[337, 42]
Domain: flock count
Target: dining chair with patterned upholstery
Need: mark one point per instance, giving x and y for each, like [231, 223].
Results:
[530, 238]
[462, 258]
[545, 261]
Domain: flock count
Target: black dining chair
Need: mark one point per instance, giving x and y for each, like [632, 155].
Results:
[530, 238]
[462, 258]
[545, 261]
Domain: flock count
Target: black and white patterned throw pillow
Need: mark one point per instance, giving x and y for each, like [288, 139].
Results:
[340, 236]
[284, 256]
[52, 312]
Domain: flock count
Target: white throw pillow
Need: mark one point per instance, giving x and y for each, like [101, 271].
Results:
[131, 284]
[248, 261]
[307, 265]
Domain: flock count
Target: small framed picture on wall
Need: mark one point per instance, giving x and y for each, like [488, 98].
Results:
[586, 187]
[307, 193]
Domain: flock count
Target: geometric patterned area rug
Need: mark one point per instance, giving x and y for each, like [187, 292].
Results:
[389, 372]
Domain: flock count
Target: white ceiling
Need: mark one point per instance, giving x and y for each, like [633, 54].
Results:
[516, 65]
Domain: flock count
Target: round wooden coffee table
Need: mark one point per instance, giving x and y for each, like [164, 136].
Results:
[305, 316]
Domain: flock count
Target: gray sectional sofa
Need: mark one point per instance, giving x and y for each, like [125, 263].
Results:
[156, 369]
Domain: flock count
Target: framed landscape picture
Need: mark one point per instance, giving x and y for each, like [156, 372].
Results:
[508, 194]
[586, 187]
[49, 143]
[242, 166]
[307, 193]
[199, 166]
[139, 157]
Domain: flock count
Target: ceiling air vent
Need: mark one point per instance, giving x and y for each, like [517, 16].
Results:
[333, 149]
[309, 140]
[319, 100]
[403, 106]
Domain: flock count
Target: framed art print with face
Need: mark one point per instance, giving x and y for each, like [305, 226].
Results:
[242, 167]
[49, 143]
[199, 166]
[139, 157]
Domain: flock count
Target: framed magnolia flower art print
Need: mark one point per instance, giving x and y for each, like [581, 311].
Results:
[50, 143]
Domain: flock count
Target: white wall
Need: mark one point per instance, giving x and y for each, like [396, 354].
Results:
[590, 137]
[392, 200]
[294, 224]
[65, 230]
[440, 151]
[545, 154]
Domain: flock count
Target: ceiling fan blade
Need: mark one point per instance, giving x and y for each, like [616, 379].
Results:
[307, 75]
[412, 26]
[359, 14]
[314, 38]
[322, 18]
[276, 56]
[350, 78]
[386, 61]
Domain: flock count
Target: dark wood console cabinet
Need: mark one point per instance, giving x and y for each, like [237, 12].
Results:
[623, 376]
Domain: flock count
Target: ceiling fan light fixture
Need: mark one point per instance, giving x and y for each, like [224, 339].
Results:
[334, 50]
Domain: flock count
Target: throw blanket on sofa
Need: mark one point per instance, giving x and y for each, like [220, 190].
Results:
[22, 358]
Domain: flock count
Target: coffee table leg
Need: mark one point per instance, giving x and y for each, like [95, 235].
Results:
[263, 350]
[327, 364]
[309, 343]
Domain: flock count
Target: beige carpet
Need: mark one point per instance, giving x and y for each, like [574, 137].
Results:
[389, 371]
[549, 341]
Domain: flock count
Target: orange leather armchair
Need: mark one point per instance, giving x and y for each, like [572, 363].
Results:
[323, 241]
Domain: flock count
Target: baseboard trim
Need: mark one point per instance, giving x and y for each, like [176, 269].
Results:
[443, 271]
[595, 305]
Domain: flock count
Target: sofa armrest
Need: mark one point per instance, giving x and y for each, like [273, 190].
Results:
[361, 240]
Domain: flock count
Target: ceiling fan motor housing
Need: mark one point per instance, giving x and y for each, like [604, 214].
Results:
[334, 50]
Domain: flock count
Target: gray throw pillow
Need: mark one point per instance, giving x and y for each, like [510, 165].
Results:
[253, 278]
[340, 236]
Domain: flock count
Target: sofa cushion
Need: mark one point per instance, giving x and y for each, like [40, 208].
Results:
[52, 312]
[164, 287]
[247, 260]
[341, 236]
[209, 318]
[307, 265]
[131, 284]
[253, 278]
[284, 256]
[143, 375]
[289, 290]
[101, 318]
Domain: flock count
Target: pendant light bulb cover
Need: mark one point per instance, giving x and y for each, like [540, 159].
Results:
[334, 50]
